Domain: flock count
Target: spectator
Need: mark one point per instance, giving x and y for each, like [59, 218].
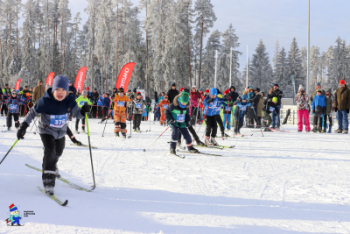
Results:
[94, 97]
[276, 113]
[72, 90]
[313, 94]
[39, 91]
[342, 105]
[195, 99]
[302, 100]
[172, 93]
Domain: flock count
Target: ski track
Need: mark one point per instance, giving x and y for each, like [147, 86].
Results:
[280, 183]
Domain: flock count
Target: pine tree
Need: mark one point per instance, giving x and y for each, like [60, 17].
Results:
[294, 69]
[281, 70]
[314, 66]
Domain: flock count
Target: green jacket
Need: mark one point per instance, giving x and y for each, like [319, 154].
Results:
[81, 101]
[180, 115]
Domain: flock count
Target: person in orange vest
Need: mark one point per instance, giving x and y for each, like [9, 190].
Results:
[120, 101]
[163, 104]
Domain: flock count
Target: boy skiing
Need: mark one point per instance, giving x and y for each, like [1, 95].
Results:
[120, 101]
[179, 119]
[240, 111]
[270, 105]
[138, 105]
[212, 105]
[13, 103]
[163, 105]
[81, 101]
[54, 108]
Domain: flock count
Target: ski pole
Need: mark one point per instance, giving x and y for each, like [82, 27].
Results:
[92, 164]
[34, 123]
[9, 151]
[105, 126]
[132, 110]
[203, 119]
[156, 139]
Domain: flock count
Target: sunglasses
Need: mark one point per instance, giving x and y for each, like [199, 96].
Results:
[14, 93]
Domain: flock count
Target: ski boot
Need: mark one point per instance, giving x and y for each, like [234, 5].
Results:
[225, 135]
[83, 130]
[199, 142]
[325, 129]
[267, 130]
[338, 131]
[9, 128]
[117, 134]
[330, 130]
[124, 135]
[192, 150]
[138, 130]
[135, 130]
[213, 141]
[178, 144]
[207, 142]
[172, 151]
[300, 131]
[58, 175]
[49, 182]
[320, 130]
[314, 129]
[76, 131]
[345, 132]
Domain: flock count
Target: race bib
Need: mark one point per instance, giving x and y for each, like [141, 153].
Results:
[243, 108]
[228, 108]
[58, 121]
[120, 103]
[271, 109]
[12, 107]
[82, 103]
[180, 118]
[138, 105]
[165, 106]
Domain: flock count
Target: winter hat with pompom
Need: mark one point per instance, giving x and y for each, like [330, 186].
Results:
[301, 87]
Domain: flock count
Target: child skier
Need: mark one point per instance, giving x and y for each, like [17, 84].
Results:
[13, 103]
[54, 108]
[138, 106]
[227, 110]
[81, 101]
[329, 111]
[240, 111]
[212, 104]
[270, 106]
[178, 117]
[319, 109]
[163, 105]
[120, 101]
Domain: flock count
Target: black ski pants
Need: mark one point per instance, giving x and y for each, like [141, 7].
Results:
[53, 149]
[174, 136]
[82, 124]
[194, 112]
[93, 111]
[193, 133]
[212, 126]
[137, 120]
[9, 119]
[4, 108]
[219, 121]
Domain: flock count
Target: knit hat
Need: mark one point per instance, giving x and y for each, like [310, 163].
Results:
[244, 97]
[226, 91]
[329, 90]
[301, 87]
[318, 83]
[13, 208]
[207, 90]
[88, 88]
[232, 87]
[276, 85]
[257, 89]
[138, 94]
[84, 92]
[184, 97]
[121, 90]
[60, 82]
[173, 85]
[275, 99]
[182, 89]
[70, 82]
[342, 82]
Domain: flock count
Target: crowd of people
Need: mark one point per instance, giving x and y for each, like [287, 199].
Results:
[181, 110]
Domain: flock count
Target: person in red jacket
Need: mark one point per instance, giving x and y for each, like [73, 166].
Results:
[163, 104]
[195, 99]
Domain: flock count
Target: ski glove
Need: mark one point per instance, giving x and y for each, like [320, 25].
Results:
[22, 131]
[171, 123]
[188, 124]
[85, 109]
[210, 100]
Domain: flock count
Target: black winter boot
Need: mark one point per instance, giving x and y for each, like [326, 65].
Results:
[191, 149]
[172, 151]
[199, 142]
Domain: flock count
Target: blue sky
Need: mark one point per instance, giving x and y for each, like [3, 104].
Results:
[272, 20]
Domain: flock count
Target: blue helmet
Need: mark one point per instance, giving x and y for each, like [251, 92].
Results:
[213, 91]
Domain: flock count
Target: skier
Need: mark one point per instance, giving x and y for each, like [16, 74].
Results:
[178, 118]
[211, 103]
[54, 108]
[73, 139]
[227, 110]
[138, 109]
[270, 105]
[81, 101]
[120, 101]
[319, 110]
[240, 111]
[163, 105]
[219, 119]
[329, 110]
[13, 103]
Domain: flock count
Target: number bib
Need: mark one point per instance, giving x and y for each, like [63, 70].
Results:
[82, 103]
[228, 108]
[12, 107]
[165, 106]
[180, 118]
[271, 109]
[243, 108]
[58, 121]
[138, 105]
[120, 103]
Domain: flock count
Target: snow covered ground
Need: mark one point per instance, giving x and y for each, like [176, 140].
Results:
[279, 183]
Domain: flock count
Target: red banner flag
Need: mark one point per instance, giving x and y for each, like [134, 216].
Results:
[49, 79]
[18, 84]
[80, 79]
[124, 76]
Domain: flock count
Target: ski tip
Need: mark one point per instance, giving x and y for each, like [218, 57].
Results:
[65, 203]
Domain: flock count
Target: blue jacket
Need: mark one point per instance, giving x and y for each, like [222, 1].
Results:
[215, 106]
[250, 95]
[100, 101]
[74, 90]
[319, 104]
[243, 109]
[106, 101]
[13, 104]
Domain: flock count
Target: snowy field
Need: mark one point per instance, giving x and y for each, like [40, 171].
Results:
[279, 183]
